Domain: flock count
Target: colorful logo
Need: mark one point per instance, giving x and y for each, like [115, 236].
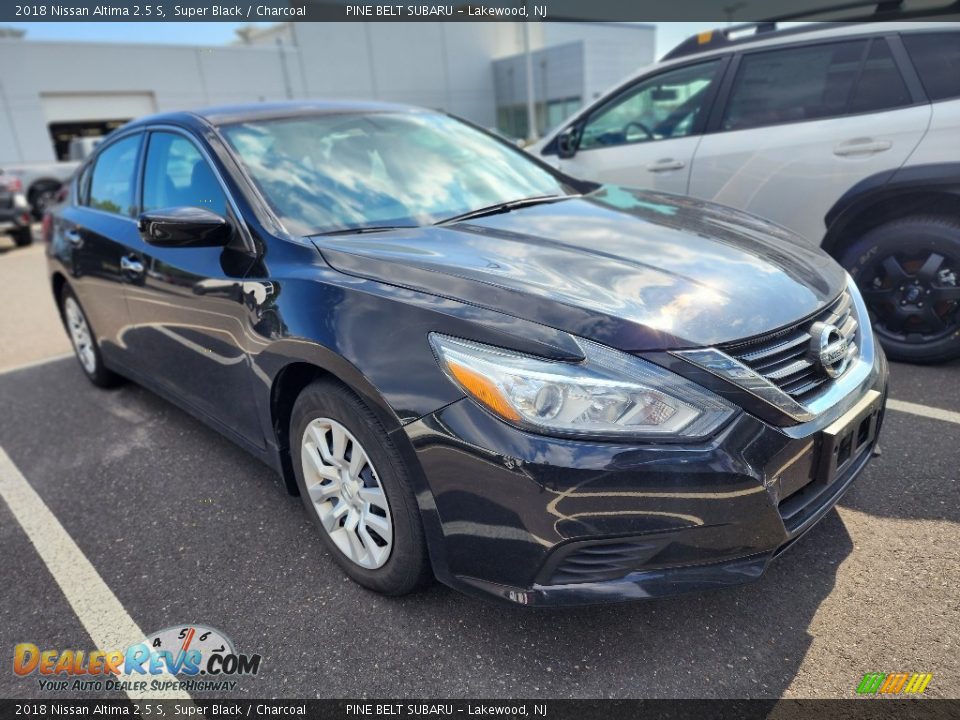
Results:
[878, 683]
[187, 651]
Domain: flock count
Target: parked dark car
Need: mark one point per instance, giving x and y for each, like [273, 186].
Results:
[14, 212]
[468, 364]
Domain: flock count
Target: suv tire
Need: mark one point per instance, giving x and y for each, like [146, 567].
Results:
[42, 194]
[909, 273]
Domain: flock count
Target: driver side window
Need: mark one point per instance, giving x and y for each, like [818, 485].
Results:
[177, 175]
[664, 106]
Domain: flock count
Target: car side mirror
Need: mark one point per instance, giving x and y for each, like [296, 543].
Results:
[568, 141]
[183, 227]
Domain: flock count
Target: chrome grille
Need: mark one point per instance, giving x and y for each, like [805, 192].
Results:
[784, 357]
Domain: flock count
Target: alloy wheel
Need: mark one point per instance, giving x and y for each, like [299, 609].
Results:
[913, 298]
[80, 335]
[346, 493]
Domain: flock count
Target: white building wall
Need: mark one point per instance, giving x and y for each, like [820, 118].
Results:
[447, 66]
[438, 65]
[577, 63]
[175, 77]
[609, 58]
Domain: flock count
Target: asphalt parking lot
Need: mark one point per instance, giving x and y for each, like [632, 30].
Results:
[182, 526]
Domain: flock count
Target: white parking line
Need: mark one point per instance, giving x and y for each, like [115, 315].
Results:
[924, 411]
[104, 617]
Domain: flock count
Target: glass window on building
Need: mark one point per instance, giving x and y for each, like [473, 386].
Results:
[512, 119]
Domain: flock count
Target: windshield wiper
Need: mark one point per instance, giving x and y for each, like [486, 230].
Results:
[504, 207]
[480, 212]
[365, 229]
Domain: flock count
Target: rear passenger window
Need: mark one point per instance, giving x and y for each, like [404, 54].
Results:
[112, 183]
[818, 81]
[937, 59]
[177, 175]
[881, 85]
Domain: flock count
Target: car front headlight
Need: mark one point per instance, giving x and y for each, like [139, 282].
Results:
[609, 393]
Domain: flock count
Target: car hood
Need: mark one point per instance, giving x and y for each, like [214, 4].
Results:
[634, 270]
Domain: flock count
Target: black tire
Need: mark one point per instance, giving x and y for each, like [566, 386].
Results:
[408, 565]
[41, 195]
[97, 373]
[915, 310]
[22, 236]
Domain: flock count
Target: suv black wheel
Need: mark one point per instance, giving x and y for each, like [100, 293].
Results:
[909, 273]
[356, 490]
[41, 196]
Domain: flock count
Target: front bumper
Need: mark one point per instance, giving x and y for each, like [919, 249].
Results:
[546, 521]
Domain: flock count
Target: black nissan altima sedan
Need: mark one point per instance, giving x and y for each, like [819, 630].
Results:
[467, 364]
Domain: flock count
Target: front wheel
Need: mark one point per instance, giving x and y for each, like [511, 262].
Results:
[357, 490]
[909, 274]
[84, 341]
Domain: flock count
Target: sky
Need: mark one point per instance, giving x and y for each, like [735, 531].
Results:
[669, 34]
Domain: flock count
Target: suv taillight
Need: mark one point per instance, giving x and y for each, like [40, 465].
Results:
[12, 184]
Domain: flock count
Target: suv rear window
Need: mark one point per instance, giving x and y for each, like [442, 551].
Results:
[812, 82]
[937, 59]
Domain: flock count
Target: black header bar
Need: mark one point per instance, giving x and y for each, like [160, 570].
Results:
[533, 709]
[473, 10]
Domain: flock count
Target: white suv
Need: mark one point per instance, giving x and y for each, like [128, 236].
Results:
[848, 134]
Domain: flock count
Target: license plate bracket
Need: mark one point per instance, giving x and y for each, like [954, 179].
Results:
[847, 437]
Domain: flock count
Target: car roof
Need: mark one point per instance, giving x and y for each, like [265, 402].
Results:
[226, 114]
[802, 34]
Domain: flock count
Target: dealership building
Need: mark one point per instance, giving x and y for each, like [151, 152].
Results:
[52, 91]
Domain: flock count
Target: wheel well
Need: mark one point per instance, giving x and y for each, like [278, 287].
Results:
[42, 183]
[287, 386]
[884, 209]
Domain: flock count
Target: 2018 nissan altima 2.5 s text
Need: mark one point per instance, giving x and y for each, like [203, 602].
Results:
[468, 364]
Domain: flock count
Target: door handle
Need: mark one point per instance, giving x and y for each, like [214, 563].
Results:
[131, 265]
[861, 146]
[73, 237]
[665, 164]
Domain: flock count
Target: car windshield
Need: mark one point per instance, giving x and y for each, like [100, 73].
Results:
[335, 172]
